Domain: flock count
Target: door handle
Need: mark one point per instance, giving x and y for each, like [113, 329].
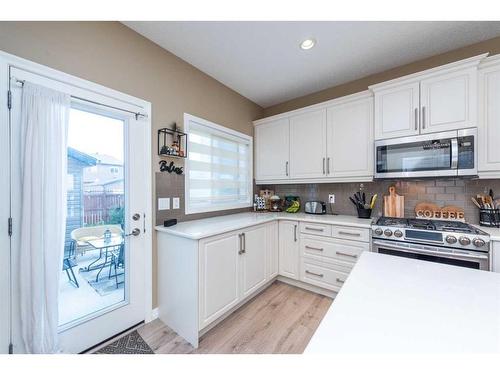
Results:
[423, 117]
[136, 217]
[295, 233]
[135, 232]
[416, 118]
[454, 153]
[314, 248]
[286, 168]
[345, 254]
[340, 280]
[314, 274]
[327, 165]
[324, 166]
[242, 246]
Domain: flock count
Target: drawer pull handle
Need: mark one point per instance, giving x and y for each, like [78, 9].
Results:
[340, 280]
[315, 274]
[350, 233]
[317, 229]
[314, 248]
[345, 254]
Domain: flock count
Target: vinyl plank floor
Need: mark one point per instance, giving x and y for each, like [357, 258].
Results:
[282, 319]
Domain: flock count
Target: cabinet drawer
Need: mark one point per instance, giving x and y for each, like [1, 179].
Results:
[332, 249]
[351, 233]
[313, 272]
[316, 229]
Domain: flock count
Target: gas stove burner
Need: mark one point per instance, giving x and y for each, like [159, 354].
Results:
[421, 224]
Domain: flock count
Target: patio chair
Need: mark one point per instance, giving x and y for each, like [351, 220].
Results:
[80, 236]
[68, 264]
[117, 261]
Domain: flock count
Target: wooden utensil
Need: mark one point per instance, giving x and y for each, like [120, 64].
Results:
[394, 204]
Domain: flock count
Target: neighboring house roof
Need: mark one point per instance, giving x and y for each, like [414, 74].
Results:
[107, 159]
[81, 156]
[109, 182]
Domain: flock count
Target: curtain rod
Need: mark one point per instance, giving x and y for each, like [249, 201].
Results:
[136, 114]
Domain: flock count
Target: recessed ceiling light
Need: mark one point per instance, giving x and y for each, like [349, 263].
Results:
[307, 44]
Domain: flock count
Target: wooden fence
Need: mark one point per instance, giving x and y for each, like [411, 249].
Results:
[100, 206]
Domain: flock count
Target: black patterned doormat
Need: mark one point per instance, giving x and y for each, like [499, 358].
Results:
[131, 343]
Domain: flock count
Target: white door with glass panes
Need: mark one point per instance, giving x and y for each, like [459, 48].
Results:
[272, 150]
[104, 280]
[308, 145]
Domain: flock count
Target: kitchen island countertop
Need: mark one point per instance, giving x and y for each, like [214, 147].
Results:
[391, 304]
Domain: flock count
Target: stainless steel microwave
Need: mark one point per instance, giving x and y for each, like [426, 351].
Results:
[452, 153]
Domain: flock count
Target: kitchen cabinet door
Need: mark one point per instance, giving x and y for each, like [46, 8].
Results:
[253, 260]
[489, 122]
[272, 150]
[272, 250]
[308, 145]
[448, 101]
[495, 256]
[350, 139]
[219, 276]
[289, 249]
[397, 111]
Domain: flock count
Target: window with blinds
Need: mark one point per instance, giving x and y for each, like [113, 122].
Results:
[218, 167]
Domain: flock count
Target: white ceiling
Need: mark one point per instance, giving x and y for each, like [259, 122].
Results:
[263, 62]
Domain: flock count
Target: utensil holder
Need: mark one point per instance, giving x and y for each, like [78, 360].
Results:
[489, 217]
[364, 213]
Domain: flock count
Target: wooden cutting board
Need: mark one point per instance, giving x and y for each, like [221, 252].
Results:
[394, 204]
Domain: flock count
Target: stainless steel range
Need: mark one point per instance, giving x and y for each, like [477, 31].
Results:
[448, 242]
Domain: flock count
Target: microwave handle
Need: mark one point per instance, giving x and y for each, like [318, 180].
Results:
[454, 153]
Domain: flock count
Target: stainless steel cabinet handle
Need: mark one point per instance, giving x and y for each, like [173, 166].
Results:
[423, 117]
[416, 118]
[286, 168]
[316, 229]
[314, 248]
[324, 166]
[327, 165]
[295, 233]
[315, 274]
[350, 234]
[345, 254]
[340, 280]
[244, 243]
[242, 239]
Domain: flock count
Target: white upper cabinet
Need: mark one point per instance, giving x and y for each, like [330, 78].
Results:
[397, 111]
[350, 138]
[272, 150]
[436, 100]
[308, 145]
[448, 101]
[489, 119]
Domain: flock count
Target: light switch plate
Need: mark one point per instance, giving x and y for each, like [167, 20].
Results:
[163, 203]
[176, 203]
[331, 198]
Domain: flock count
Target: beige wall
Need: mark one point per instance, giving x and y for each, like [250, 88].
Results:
[113, 55]
[492, 46]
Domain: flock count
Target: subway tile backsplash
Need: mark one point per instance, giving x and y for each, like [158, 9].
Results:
[443, 192]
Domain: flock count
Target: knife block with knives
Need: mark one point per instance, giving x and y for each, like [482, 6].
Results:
[394, 204]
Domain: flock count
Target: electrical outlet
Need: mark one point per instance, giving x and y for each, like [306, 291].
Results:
[331, 198]
[176, 203]
[163, 203]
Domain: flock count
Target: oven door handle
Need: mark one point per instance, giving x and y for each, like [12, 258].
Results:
[454, 153]
[425, 251]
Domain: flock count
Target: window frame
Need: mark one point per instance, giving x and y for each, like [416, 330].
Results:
[232, 133]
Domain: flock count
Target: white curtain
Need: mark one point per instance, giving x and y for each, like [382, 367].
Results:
[44, 122]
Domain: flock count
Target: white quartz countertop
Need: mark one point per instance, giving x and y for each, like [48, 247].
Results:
[394, 304]
[197, 229]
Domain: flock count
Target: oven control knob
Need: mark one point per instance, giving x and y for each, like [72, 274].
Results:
[398, 233]
[451, 239]
[478, 242]
[379, 231]
[388, 232]
[464, 241]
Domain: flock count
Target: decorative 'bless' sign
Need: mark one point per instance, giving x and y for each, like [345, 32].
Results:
[170, 168]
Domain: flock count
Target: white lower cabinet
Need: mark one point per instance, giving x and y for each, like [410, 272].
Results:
[328, 276]
[253, 260]
[289, 249]
[272, 250]
[219, 276]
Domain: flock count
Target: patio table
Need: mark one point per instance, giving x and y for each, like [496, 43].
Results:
[104, 246]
